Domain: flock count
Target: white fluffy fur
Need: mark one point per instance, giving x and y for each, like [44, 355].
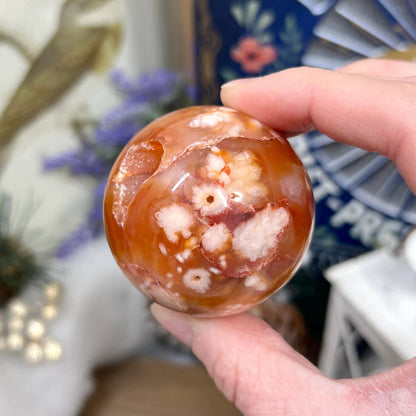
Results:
[101, 319]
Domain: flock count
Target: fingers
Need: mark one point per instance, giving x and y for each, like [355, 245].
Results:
[373, 113]
[254, 367]
[383, 68]
[257, 370]
[392, 392]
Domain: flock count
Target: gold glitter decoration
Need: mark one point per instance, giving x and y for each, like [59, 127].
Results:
[23, 325]
[15, 324]
[35, 329]
[52, 291]
[52, 350]
[18, 308]
[33, 352]
[49, 311]
[14, 341]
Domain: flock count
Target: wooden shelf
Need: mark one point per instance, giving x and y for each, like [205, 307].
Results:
[150, 387]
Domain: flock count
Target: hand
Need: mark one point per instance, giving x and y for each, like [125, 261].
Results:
[370, 104]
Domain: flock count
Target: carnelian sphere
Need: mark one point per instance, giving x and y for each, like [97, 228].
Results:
[208, 211]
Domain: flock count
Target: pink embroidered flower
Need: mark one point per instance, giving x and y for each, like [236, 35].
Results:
[252, 55]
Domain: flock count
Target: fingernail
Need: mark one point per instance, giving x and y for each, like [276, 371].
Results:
[176, 323]
[237, 82]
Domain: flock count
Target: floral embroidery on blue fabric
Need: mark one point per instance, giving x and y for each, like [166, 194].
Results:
[257, 51]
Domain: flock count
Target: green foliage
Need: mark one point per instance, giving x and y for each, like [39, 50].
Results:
[18, 264]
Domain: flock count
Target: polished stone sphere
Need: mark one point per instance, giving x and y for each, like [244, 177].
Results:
[208, 211]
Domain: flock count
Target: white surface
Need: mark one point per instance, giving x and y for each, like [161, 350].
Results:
[409, 249]
[382, 289]
[101, 319]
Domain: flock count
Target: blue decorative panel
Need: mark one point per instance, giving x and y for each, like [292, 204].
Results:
[362, 201]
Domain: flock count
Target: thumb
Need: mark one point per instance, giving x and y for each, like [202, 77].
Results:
[253, 366]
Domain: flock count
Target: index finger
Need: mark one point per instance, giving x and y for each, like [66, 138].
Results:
[373, 113]
[382, 68]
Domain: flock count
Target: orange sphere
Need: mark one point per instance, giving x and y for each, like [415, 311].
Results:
[208, 211]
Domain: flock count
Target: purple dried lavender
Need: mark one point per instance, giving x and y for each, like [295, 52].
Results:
[146, 98]
[154, 87]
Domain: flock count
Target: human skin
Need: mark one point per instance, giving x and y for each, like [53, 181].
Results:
[369, 104]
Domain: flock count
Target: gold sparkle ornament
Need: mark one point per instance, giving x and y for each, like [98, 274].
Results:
[15, 324]
[14, 341]
[52, 350]
[35, 329]
[18, 308]
[33, 353]
[52, 291]
[23, 325]
[49, 312]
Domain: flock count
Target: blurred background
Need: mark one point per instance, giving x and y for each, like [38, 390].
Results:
[78, 78]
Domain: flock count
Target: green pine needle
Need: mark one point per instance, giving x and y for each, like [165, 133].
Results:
[18, 264]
